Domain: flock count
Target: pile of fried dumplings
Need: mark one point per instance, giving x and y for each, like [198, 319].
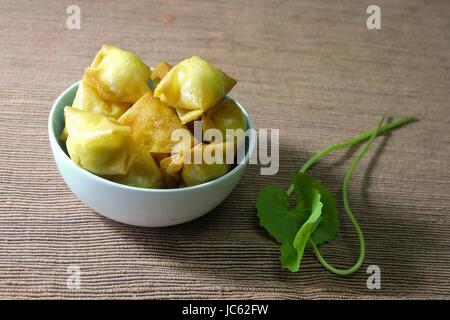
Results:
[120, 128]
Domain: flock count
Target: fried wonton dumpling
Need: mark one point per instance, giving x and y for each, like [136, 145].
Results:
[63, 135]
[118, 75]
[224, 115]
[88, 99]
[160, 72]
[196, 173]
[209, 164]
[143, 172]
[152, 123]
[194, 84]
[172, 164]
[188, 115]
[172, 181]
[185, 115]
[171, 168]
[97, 143]
[157, 156]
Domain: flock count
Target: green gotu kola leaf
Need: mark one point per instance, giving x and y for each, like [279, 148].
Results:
[314, 218]
[285, 223]
[327, 229]
[277, 217]
[292, 253]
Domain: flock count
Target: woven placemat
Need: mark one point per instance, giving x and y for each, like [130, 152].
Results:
[309, 68]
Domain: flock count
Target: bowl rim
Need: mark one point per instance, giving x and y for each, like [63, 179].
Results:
[57, 148]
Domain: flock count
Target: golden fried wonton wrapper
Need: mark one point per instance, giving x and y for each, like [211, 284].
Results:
[194, 174]
[183, 165]
[97, 143]
[194, 84]
[88, 99]
[185, 115]
[170, 169]
[171, 181]
[118, 75]
[160, 72]
[152, 123]
[157, 156]
[225, 115]
[63, 135]
[143, 172]
[172, 164]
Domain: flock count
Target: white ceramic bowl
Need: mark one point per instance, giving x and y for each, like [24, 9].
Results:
[139, 206]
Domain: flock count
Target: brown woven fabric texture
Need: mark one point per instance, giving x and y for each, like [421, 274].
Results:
[311, 69]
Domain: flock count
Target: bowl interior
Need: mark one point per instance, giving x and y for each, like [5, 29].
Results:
[56, 122]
